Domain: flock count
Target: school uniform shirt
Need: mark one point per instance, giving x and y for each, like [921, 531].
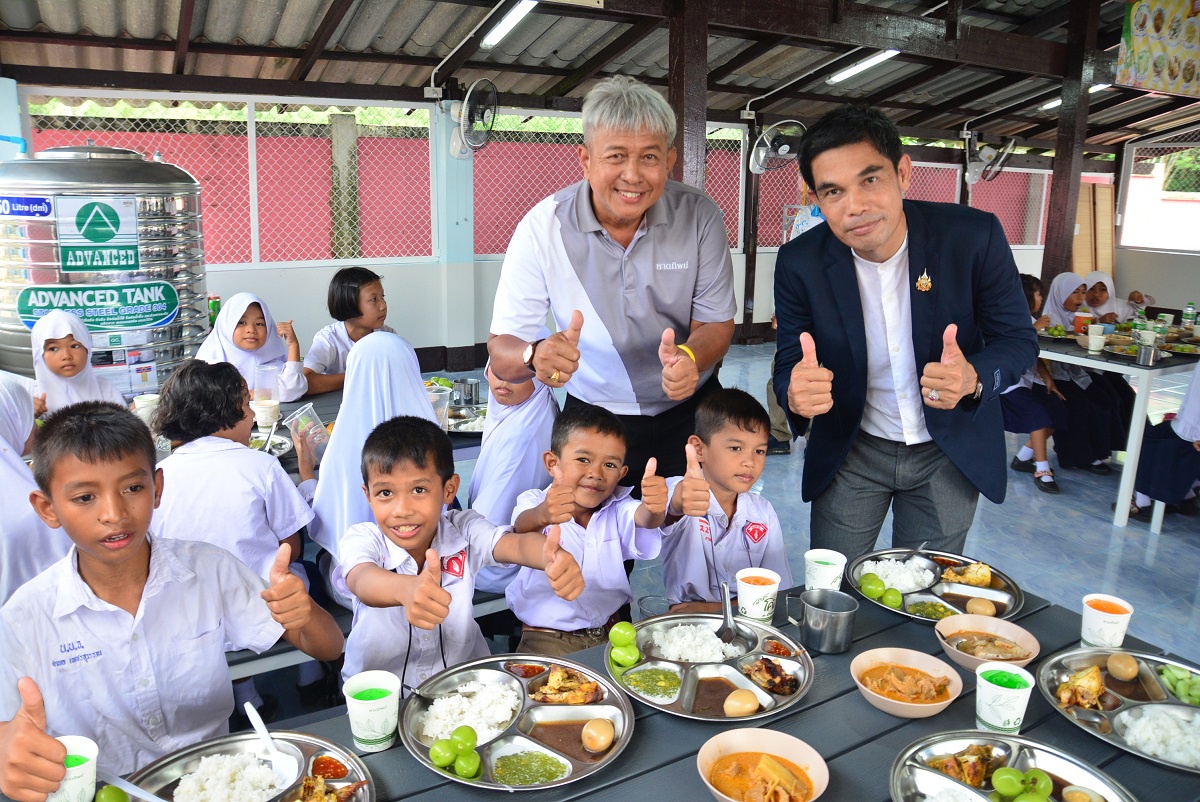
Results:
[698, 554]
[144, 685]
[610, 538]
[331, 348]
[1063, 286]
[231, 496]
[218, 346]
[61, 391]
[27, 545]
[381, 637]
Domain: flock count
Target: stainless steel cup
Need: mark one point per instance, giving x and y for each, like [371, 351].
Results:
[828, 622]
[466, 393]
[1147, 355]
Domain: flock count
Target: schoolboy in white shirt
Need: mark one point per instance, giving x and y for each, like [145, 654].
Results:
[720, 527]
[124, 638]
[601, 525]
[412, 571]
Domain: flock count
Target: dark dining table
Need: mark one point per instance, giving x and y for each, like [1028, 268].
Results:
[858, 742]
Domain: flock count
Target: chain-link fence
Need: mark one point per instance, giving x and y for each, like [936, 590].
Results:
[1162, 201]
[934, 182]
[208, 139]
[777, 189]
[332, 183]
[723, 177]
[527, 159]
[1019, 198]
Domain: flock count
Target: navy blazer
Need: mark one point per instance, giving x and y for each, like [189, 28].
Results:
[975, 284]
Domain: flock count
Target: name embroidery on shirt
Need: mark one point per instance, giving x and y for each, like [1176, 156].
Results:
[671, 265]
[705, 529]
[78, 653]
[755, 531]
[455, 564]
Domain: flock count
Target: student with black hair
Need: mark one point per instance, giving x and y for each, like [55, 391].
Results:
[412, 569]
[900, 322]
[356, 302]
[124, 639]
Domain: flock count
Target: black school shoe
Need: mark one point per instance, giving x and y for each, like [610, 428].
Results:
[1023, 465]
[1046, 487]
[777, 446]
[1136, 513]
[1101, 469]
[269, 711]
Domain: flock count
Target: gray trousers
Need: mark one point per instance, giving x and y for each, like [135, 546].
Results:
[929, 497]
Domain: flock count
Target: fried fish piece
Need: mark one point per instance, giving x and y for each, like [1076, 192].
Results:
[771, 676]
[976, 574]
[1083, 688]
[313, 789]
[972, 765]
[567, 686]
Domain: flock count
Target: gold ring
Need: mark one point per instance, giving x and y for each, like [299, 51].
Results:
[554, 376]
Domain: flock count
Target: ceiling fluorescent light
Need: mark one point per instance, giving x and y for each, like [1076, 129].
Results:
[1058, 101]
[862, 66]
[507, 24]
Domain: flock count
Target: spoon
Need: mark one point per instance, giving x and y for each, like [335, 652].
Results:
[417, 693]
[126, 786]
[726, 632]
[904, 557]
[266, 446]
[285, 765]
[1094, 717]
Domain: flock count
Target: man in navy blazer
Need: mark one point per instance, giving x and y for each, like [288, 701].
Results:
[900, 324]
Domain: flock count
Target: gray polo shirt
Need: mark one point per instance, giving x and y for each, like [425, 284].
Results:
[676, 270]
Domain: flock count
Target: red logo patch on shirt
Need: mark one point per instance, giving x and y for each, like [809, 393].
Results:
[455, 564]
[755, 531]
[705, 529]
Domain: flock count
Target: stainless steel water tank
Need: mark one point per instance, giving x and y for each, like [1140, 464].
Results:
[112, 237]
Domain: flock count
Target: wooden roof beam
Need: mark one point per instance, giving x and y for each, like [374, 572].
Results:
[470, 46]
[951, 103]
[333, 18]
[615, 49]
[183, 35]
[756, 50]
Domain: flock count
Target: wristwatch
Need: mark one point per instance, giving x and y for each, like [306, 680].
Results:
[978, 391]
[527, 355]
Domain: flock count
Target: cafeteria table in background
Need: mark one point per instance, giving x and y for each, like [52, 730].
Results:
[858, 741]
[1069, 352]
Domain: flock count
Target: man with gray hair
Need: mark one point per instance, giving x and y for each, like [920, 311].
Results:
[635, 270]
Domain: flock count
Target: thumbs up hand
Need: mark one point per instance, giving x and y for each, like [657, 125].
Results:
[429, 603]
[810, 389]
[287, 599]
[566, 578]
[31, 762]
[680, 373]
[556, 358]
[560, 499]
[691, 496]
[654, 489]
[946, 382]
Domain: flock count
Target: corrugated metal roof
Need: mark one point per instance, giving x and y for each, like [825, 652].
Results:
[549, 43]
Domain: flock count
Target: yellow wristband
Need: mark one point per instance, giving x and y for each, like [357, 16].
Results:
[687, 351]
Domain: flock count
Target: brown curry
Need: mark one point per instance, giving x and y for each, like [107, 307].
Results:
[759, 777]
[904, 684]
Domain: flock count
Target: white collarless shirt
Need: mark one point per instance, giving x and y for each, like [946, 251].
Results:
[381, 637]
[140, 685]
[894, 409]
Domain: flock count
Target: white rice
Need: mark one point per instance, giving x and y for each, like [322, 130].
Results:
[901, 576]
[227, 778]
[952, 795]
[487, 709]
[693, 643]
[1160, 733]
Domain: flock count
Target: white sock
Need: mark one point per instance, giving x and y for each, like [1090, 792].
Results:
[1142, 500]
[1044, 466]
[1025, 454]
[245, 691]
[309, 672]
[1097, 462]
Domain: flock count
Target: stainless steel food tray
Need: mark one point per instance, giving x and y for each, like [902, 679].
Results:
[751, 634]
[914, 781]
[161, 776]
[1003, 591]
[1120, 703]
[515, 738]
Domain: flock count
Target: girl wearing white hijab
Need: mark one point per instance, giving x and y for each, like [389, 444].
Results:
[1092, 407]
[383, 380]
[27, 545]
[62, 363]
[515, 436]
[1169, 469]
[246, 336]
[1103, 302]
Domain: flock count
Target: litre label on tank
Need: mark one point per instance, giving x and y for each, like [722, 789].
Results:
[97, 233]
[103, 307]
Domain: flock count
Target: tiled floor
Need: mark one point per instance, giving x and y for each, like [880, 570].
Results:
[1059, 547]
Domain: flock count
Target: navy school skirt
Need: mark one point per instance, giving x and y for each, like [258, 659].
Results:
[1027, 409]
[1169, 465]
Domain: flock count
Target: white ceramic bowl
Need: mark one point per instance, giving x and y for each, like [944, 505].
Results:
[991, 625]
[771, 742]
[910, 659]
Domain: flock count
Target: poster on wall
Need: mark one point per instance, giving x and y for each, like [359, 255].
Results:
[1160, 47]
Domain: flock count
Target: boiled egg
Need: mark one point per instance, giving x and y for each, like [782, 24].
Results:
[1122, 666]
[981, 607]
[1077, 793]
[598, 735]
[741, 702]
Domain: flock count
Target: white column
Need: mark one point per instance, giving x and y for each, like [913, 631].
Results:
[453, 206]
[10, 121]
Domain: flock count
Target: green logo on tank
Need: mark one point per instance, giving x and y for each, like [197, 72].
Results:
[97, 222]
